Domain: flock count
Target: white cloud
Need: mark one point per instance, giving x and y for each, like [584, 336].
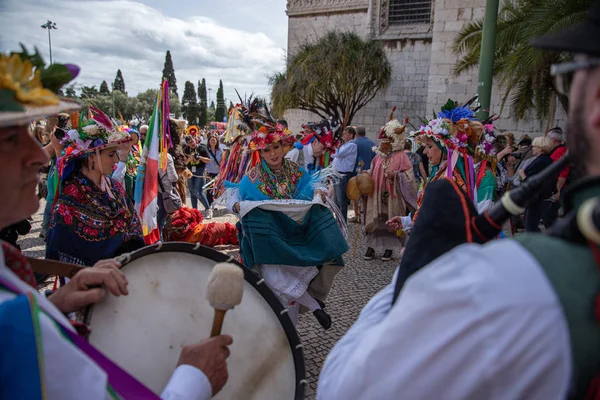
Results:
[103, 36]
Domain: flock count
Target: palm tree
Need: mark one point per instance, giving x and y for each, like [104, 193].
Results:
[523, 72]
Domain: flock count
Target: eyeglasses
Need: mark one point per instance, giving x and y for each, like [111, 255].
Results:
[563, 73]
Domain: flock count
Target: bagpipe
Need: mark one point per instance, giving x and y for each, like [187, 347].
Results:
[448, 218]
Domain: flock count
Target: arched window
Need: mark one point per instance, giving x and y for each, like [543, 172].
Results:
[403, 12]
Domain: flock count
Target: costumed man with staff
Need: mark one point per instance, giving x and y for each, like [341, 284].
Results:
[511, 319]
[395, 190]
[284, 222]
[42, 355]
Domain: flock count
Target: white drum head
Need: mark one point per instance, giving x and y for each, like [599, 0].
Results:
[167, 309]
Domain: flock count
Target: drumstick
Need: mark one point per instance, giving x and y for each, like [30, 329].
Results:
[224, 291]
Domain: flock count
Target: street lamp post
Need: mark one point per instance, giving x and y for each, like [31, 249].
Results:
[209, 93]
[49, 25]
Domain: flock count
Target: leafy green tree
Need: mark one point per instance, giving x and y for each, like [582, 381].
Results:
[189, 103]
[203, 103]
[168, 73]
[221, 110]
[146, 102]
[119, 83]
[523, 71]
[70, 92]
[104, 88]
[89, 92]
[175, 105]
[335, 76]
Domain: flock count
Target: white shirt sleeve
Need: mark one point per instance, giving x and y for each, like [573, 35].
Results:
[187, 383]
[119, 173]
[293, 155]
[481, 322]
[233, 196]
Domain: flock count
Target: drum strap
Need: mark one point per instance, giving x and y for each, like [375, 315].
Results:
[119, 381]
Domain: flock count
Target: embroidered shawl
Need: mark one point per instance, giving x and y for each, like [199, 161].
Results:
[290, 182]
[87, 225]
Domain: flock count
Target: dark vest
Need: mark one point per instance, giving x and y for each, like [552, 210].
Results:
[574, 275]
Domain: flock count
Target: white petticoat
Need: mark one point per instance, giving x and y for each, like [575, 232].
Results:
[287, 282]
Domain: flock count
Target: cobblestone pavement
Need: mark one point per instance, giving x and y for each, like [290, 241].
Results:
[354, 285]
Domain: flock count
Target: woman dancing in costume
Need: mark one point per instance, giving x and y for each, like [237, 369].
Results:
[284, 223]
[92, 218]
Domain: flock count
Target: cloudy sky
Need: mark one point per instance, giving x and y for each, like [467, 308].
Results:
[238, 41]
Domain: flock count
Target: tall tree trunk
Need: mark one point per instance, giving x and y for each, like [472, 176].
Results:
[551, 113]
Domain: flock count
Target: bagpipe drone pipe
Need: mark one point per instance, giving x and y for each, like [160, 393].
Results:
[448, 218]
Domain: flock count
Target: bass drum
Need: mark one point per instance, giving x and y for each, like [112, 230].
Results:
[167, 309]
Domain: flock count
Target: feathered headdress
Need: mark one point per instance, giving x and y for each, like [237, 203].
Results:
[393, 132]
[457, 132]
[324, 131]
[266, 129]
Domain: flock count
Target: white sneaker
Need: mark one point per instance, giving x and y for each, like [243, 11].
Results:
[209, 214]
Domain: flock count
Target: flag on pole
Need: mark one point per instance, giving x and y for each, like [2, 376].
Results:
[153, 159]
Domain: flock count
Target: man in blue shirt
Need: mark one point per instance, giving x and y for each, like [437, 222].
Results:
[364, 147]
[344, 162]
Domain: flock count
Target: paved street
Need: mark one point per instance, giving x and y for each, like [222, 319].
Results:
[353, 287]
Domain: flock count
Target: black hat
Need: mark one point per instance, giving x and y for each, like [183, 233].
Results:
[580, 38]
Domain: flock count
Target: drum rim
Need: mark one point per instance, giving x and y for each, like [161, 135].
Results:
[286, 323]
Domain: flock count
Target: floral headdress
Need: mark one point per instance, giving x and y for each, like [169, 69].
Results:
[28, 88]
[92, 135]
[486, 149]
[457, 132]
[267, 135]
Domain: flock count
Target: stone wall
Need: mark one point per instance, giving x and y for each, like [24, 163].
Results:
[449, 18]
[421, 57]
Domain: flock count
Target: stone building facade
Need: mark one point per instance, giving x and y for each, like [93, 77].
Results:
[417, 36]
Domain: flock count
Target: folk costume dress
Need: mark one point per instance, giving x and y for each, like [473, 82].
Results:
[390, 197]
[486, 182]
[283, 228]
[88, 225]
[89, 222]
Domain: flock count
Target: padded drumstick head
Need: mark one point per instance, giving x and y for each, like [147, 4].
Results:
[225, 286]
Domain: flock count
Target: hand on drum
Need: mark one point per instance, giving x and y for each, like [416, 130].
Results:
[90, 285]
[394, 223]
[209, 356]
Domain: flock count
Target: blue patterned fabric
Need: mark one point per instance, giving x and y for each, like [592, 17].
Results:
[19, 366]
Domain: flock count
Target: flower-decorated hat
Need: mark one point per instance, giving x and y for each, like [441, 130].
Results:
[268, 134]
[92, 135]
[454, 129]
[28, 88]
[456, 132]
[486, 148]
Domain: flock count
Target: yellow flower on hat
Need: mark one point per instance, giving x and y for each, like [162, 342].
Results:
[17, 76]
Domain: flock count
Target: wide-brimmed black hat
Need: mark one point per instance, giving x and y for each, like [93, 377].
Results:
[580, 38]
